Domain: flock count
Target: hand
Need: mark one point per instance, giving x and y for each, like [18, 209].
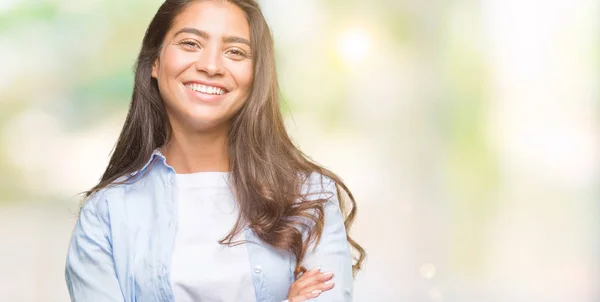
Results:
[310, 285]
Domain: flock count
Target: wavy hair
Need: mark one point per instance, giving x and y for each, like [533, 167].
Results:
[267, 169]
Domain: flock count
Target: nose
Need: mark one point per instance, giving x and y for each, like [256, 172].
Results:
[210, 61]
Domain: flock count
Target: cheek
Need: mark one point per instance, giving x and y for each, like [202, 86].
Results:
[174, 63]
[243, 74]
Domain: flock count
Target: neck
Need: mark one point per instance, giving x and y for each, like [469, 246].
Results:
[197, 152]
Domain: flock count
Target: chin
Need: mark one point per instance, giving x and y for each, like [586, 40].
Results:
[204, 123]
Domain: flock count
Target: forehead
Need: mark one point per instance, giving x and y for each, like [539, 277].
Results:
[218, 18]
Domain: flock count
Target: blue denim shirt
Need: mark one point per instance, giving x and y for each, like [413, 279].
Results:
[122, 244]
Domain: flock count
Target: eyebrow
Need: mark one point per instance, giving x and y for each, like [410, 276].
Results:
[205, 35]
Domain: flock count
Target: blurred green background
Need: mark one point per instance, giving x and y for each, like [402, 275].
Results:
[468, 131]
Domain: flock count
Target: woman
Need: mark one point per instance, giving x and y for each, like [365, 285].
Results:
[205, 197]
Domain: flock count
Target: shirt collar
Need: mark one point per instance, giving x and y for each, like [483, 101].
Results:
[155, 154]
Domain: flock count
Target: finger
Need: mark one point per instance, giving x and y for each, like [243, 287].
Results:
[307, 278]
[322, 287]
[309, 273]
[325, 276]
[313, 280]
[307, 281]
[306, 296]
[297, 299]
[303, 281]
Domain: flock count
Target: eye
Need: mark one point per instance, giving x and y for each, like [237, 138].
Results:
[236, 53]
[190, 44]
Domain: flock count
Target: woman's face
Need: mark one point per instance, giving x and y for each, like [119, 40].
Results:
[204, 70]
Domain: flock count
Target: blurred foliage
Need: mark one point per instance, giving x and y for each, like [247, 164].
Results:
[428, 147]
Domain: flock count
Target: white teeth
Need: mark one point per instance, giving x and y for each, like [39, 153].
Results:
[206, 89]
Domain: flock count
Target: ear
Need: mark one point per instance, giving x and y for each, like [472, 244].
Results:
[155, 69]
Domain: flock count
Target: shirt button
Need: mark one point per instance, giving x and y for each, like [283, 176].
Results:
[257, 269]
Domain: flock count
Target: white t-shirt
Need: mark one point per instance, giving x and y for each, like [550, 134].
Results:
[202, 269]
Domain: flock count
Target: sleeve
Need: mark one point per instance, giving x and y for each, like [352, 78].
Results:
[90, 269]
[332, 254]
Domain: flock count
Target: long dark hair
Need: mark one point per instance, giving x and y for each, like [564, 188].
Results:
[265, 164]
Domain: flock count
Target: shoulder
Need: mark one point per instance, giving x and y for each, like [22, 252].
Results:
[316, 178]
[98, 202]
[142, 197]
[316, 186]
[130, 185]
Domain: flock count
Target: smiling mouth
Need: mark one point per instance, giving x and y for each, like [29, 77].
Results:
[212, 90]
